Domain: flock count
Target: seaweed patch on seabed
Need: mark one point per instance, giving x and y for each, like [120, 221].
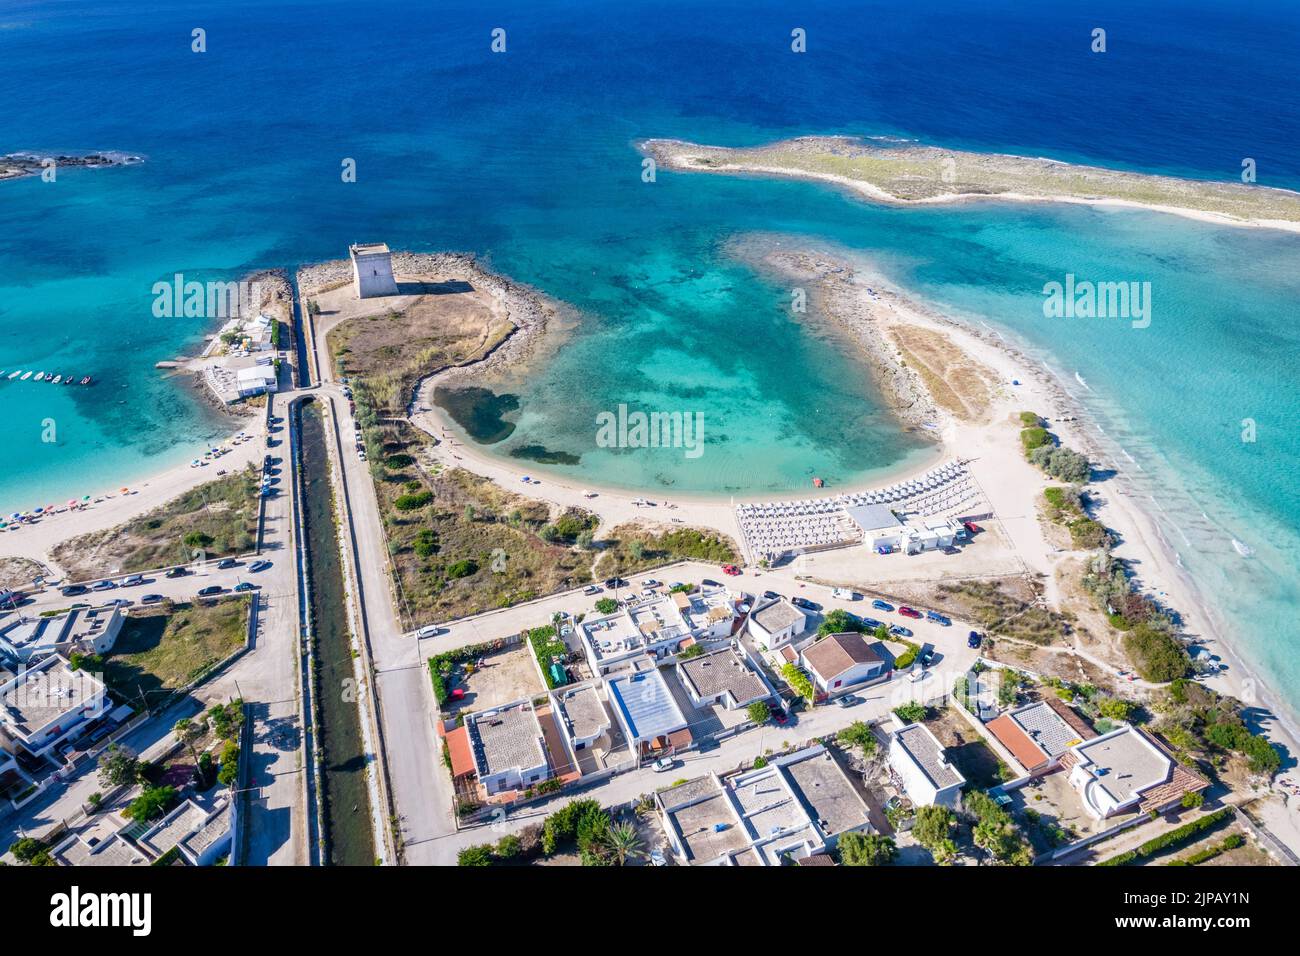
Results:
[480, 411]
[544, 456]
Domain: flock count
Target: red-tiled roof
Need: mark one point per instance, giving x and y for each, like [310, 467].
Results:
[1008, 732]
[836, 653]
[462, 757]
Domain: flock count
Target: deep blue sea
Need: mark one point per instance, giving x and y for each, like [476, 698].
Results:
[526, 158]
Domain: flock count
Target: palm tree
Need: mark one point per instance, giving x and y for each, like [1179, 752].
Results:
[623, 843]
[188, 732]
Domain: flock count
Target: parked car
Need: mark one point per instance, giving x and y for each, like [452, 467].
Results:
[132, 580]
[971, 527]
[951, 550]
[909, 612]
[246, 586]
[613, 583]
[938, 618]
[104, 586]
[664, 764]
[226, 563]
[806, 604]
[210, 590]
[848, 700]
[710, 583]
[72, 589]
[871, 623]
[176, 573]
[651, 583]
[844, 594]
[259, 566]
[974, 639]
[730, 569]
[119, 602]
[918, 675]
[899, 631]
[771, 595]
[780, 716]
[880, 605]
[592, 589]
[151, 599]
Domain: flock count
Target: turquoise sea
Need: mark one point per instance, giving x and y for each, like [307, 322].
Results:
[526, 159]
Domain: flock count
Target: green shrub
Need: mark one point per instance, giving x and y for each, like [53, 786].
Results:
[1192, 799]
[866, 849]
[477, 855]
[462, 569]
[858, 734]
[606, 606]
[799, 681]
[1157, 655]
[911, 712]
[1035, 437]
[411, 501]
[759, 712]
[1170, 838]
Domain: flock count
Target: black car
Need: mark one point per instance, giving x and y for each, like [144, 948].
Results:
[871, 623]
[951, 550]
[974, 639]
[710, 583]
[771, 595]
[151, 599]
[226, 563]
[176, 573]
[615, 583]
[806, 604]
[72, 589]
[210, 590]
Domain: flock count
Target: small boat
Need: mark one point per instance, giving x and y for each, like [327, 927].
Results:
[25, 377]
[58, 379]
[39, 376]
[67, 379]
[14, 374]
[86, 380]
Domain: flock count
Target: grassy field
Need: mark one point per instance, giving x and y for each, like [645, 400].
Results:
[218, 518]
[631, 548]
[388, 354]
[461, 544]
[1001, 613]
[164, 648]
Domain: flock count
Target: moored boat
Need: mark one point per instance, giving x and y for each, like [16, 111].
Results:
[58, 379]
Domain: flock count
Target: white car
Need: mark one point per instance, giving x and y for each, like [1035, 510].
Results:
[844, 594]
[918, 675]
[664, 764]
[429, 630]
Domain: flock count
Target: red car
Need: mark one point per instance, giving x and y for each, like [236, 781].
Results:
[971, 527]
[730, 569]
[909, 612]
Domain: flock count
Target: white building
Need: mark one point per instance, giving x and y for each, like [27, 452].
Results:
[838, 662]
[1125, 771]
[508, 747]
[372, 270]
[775, 622]
[656, 629]
[87, 630]
[723, 677]
[922, 767]
[43, 705]
[256, 380]
[647, 712]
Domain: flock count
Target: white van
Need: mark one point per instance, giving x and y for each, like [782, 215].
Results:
[844, 594]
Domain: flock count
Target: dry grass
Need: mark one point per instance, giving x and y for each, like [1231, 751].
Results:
[224, 511]
[955, 382]
[629, 548]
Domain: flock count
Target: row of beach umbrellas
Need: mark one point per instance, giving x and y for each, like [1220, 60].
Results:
[20, 516]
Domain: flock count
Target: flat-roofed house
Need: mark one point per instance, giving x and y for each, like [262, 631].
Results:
[723, 677]
[1126, 770]
[44, 704]
[775, 622]
[795, 807]
[1040, 733]
[583, 714]
[922, 767]
[508, 746]
[840, 661]
[89, 630]
[90, 851]
[652, 721]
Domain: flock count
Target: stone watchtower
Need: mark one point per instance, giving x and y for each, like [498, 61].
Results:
[372, 270]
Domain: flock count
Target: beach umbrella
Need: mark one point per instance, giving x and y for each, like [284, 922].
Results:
[16, 515]
[37, 511]
[85, 497]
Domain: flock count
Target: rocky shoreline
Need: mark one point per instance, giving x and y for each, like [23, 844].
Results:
[528, 310]
[18, 165]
